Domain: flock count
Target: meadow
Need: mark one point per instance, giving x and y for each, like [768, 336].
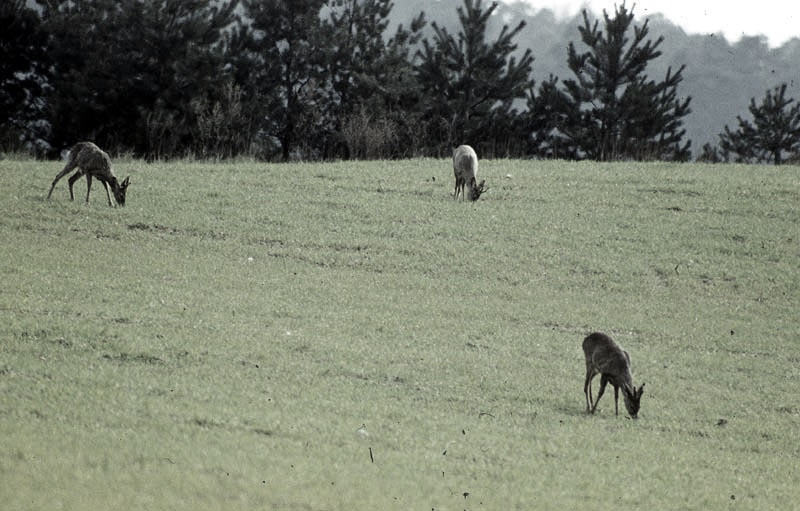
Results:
[345, 336]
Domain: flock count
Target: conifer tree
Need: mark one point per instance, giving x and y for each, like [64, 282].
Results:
[373, 92]
[24, 76]
[125, 73]
[288, 69]
[546, 118]
[361, 56]
[614, 111]
[775, 130]
[470, 84]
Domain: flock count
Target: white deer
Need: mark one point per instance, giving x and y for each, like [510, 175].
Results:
[465, 168]
[91, 161]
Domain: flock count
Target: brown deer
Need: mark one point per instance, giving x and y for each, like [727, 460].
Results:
[606, 357]
[465, 168]
[91, 161]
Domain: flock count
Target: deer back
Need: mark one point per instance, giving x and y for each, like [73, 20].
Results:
[609, 359]
[92, 160]
[465, 163]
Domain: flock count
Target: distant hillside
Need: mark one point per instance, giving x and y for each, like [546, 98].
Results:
[720, 77]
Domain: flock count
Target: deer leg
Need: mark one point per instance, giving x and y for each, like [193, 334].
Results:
[616, 400]
[459, 184]
[108, 195]
[603, 382]
[88, 186]
[67, 169]
[72, 181]
[587, 389]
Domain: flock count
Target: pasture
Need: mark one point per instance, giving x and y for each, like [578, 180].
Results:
[219, 342]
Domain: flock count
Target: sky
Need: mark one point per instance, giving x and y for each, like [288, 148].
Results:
[778, 20]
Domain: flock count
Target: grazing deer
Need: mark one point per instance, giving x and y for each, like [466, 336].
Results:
[465, 167]
[606, 357]
[92, 161]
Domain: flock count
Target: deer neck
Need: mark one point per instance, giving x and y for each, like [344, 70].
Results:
[620, 378]
[626, 382]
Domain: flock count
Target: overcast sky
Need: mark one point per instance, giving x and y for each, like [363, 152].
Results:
[778, 20]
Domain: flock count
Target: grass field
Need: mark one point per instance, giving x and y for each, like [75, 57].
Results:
[218, 342]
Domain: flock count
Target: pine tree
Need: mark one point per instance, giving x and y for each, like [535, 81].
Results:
[24, 76]
[775, 130]
[470, 84]
[546, 119]
[373, 90]
[614, 111]
[76, 103]
[288, 70]
[126, 73]
[173, 58]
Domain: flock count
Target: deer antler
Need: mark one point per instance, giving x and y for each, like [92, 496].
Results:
[479, 189]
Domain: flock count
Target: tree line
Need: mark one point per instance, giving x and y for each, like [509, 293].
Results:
[318, 79]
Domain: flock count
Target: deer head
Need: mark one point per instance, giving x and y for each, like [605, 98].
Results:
[475, 191]
[120, 191]
[632, 397]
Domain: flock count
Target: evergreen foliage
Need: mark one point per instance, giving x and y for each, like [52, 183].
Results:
[547, 118]
[613, 110]
[287, 69]
[469, 85]
[373, 92]
[126, 73]
[773, 133]
[24, 75]
[315, 79]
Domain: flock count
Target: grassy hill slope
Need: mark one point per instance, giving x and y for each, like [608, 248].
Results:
[219, 342]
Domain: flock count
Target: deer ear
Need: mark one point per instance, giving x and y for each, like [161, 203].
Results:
[641, 390]
[127, 181]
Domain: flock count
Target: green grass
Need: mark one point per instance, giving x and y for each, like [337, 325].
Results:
[217, 343]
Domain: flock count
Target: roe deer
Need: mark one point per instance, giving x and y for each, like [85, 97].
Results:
[606, 357]
[92, 161]
[465, 167]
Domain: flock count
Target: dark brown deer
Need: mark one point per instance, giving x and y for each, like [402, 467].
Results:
[91, 161]
[606, 357]
[465, 168]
